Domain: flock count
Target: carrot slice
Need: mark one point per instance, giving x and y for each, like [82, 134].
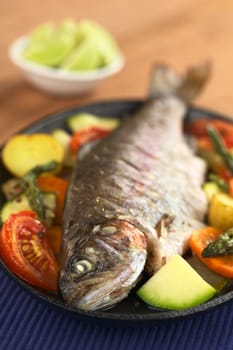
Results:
[230, 184]
[199, 240]
[54, 238]
[50, 183]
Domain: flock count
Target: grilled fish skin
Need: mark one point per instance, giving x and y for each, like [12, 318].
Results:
[134, 200]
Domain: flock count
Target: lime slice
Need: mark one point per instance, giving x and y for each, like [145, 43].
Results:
[103, 40]
[84, 57]
[42, 33]
[73, 46]
[68, 28]
[50, 54]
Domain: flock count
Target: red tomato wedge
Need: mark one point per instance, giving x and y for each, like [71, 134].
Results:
[87, 135]
[198, 127]
[24, 248]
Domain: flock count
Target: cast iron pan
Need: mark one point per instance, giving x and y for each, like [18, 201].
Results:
[130, 311]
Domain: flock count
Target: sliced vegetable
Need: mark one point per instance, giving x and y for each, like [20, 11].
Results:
[198, 127]
[222, 246]
[63, 138]
[220, 147]
[220, 213]
[204, 143]
[214, 279]
[87, 135]
[15, 205]
[230, 184]
[21, 203]
[210, 189]
[215, 163]
[176, 286]
[84, 120]
[23, 152]
[54, 238]
[33, 192]
[49, 201]
[25, 250]
[50, 183]
[12, 188]
[198, 242]
[220, 183]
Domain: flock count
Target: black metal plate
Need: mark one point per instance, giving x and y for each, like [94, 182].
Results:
[130, 311]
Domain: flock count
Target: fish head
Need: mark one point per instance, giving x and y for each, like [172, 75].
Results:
[103, 266]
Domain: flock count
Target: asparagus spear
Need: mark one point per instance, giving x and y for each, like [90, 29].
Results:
[220, 147]
[223, 245]
[31, 189]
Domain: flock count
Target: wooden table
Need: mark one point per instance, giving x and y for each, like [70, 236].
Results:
[178, 32]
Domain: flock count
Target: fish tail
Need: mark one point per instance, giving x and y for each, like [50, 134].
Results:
[166, 81]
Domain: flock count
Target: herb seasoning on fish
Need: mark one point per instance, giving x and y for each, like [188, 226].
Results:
[134, 200]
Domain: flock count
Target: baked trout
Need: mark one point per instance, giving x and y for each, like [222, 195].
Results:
[134, 200]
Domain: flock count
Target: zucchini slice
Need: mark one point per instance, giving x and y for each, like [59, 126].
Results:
[21, 203]
[87, 120]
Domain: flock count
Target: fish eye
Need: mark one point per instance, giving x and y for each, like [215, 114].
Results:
[81, 266]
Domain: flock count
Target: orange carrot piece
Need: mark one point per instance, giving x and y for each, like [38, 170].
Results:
[54, 238]
[222, 265]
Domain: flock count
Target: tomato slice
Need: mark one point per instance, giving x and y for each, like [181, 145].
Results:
[198, 127]
[87, 135]
[25, 250]
[222, 265]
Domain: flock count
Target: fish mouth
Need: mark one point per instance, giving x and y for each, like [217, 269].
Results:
[117, 255]
[106, 288]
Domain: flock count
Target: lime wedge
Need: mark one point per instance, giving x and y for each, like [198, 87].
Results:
[42, 33]
[71, 45]
[84, 57]
[103, 40]
[69, 28]
[51, 54]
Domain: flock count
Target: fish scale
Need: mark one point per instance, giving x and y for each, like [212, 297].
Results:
[132, 194]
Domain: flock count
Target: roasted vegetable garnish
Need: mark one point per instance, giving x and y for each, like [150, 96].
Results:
[32, 190]
[221, 183]
[25, 249]
[220, 213]
[220, 147]
[23, 152]
[222, 265]
[12, 188]
[222, 246]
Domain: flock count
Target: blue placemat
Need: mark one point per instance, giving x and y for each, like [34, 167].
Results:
[29, 323]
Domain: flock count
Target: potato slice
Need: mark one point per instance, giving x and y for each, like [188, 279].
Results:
[221, 211]
[23, 152]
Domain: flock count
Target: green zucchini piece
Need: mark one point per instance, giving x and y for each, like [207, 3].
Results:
[49, 203]
[15, 205]
[21, 203]
[84, 120]
[217, 281]
[176, 286]
[62, 137]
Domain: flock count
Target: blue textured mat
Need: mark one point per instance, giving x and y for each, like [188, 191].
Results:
[28, 323]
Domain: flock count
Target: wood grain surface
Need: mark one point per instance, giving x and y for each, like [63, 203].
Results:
[177, 32]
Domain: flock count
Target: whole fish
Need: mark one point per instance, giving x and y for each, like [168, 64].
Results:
[134, 200]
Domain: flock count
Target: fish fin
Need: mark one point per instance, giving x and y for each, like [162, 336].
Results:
[166, 81]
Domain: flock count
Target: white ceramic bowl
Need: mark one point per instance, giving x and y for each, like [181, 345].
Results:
[57, 81]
